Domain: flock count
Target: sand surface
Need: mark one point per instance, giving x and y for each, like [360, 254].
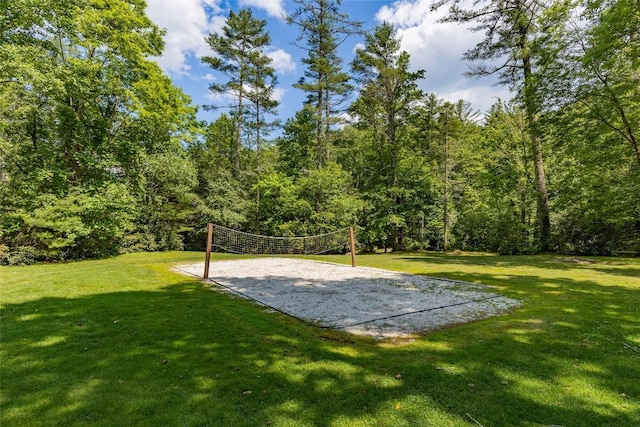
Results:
[363, 301]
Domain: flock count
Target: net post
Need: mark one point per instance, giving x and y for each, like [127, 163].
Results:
[352, 247]
[207, 258]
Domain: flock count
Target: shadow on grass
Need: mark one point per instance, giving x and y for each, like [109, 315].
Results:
[185, 355]
[607, 265]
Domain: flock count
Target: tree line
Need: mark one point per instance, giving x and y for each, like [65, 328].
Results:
[100, 153]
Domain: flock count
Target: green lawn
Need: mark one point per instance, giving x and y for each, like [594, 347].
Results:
[126, 342]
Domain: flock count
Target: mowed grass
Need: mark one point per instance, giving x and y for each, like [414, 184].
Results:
[127, 342]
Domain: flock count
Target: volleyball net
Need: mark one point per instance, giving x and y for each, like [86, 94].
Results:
[240, 242]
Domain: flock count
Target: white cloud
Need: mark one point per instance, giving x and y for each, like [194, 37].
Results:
[216, 24]
[438, 49]
[344, 119]
[274, 8]
[282, 61]
[218, 97]
[404, 13]
[278, 93]
[208, 77]
[481, 97]
[187, 22]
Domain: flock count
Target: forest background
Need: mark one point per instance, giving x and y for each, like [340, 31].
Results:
[100, 153]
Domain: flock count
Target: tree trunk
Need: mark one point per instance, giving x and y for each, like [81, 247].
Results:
[258, 165]
[327, 126]
[238, 144]
[319, 110]
[543, 198]
[445, 214]
[538, 162]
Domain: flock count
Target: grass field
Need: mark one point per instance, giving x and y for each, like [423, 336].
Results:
[127, 342]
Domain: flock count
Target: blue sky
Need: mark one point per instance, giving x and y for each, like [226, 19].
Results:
[435, 47]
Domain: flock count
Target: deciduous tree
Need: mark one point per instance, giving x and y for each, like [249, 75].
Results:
[513, 48]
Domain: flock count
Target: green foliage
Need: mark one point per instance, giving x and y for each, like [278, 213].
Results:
[100, 153]
[281, 211]
[497, 201]
[167, 204]
[319, 201]
[222, 198]
[86, 118]
[606, 69]
[296, 147]
[223, 201]
[329, 191]
[83, 223]
[516, 48]
[598, 187]
[388, 93]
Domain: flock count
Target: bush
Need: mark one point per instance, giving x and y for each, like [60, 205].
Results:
[20, 255]
[586, 235]
[80, 224]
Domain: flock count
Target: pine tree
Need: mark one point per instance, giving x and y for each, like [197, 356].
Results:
[241, 58]
[387, 91]
[323, 28]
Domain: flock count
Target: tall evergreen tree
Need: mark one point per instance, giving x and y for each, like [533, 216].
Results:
[443, 133]
[241, 58]
[387, 93]
[261, 86]
[387, 90]
[323, 28]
